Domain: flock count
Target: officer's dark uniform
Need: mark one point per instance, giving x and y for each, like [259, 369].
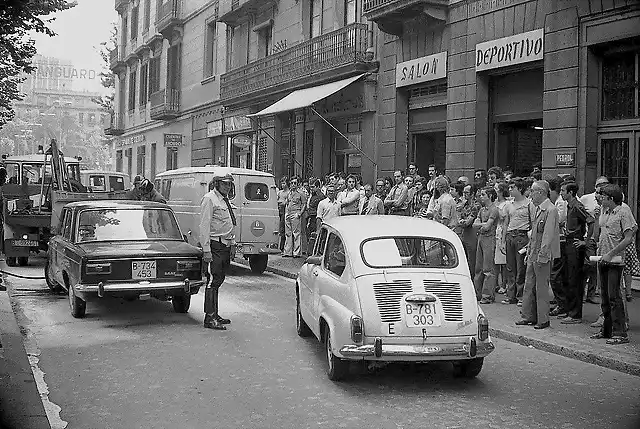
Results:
[217, 225]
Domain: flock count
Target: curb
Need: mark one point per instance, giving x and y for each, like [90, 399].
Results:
[587, 357]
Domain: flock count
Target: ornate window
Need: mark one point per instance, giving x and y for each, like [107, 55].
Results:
[620, 86]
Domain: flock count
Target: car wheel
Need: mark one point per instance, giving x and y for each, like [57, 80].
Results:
[258, 263]
[468, 368]
[337, 369]
[78, 306]
[12, 261]
[53, 285]
[301, 326]
[181, 303]
[23, 261]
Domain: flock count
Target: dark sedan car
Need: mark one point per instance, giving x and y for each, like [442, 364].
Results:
[124, 249]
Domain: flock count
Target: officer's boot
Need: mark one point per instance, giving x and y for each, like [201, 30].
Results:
[217, 316]
[210, 320]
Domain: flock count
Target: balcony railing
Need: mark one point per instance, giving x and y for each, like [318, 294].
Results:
[115, 59]
[369, 5]
[168, 15]
[343, 47]
[165, 104]
[114, 124]
[390, 15]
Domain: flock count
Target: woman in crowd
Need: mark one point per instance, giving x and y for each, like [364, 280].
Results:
[502, 189]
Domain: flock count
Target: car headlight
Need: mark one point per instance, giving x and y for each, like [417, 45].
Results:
[98, 268]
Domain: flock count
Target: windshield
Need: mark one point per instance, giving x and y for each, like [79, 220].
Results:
[410, 252]
[127, 224]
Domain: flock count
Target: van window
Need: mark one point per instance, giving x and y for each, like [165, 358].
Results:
[256, 192]
[96, 182]
[116, 183]
[183, 189]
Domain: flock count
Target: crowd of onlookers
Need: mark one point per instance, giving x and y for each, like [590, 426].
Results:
[522, 235]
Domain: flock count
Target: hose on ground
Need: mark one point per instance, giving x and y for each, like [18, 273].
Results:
[21, 276]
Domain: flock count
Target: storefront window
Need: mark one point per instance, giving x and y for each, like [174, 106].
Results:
[119, 160]
[172, 158]
[141, 160]
[620, 98]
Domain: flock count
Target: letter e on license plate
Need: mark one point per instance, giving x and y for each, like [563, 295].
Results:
[143, 270]
[420, 315]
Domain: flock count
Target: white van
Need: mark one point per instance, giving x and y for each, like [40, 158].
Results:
[105, 181]
[253, 199]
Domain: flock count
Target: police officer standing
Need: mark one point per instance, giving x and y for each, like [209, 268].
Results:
[217, 224]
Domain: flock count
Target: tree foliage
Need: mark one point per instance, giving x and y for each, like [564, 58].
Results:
[107, 78]
[17, 19]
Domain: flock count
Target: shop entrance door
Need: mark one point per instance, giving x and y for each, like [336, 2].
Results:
[517, 146]
[619, 160]
[428, 148]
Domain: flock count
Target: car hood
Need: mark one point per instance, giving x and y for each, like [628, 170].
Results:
[139, 249]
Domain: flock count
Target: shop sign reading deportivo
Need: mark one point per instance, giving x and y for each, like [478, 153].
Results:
[508, 51]
[422, 69]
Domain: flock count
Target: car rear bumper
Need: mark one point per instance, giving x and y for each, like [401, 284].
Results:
[258, 248]
[464, 349]
[102, 289]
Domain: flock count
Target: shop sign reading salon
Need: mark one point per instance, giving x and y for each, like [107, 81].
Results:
[422, 69]
[512, 50]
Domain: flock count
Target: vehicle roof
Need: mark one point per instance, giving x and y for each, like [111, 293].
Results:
[115, 173]
[116, 204]
[211, 169]
[37, 157]
[355, 229]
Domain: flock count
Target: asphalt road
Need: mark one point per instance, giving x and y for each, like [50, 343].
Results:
[139, 365]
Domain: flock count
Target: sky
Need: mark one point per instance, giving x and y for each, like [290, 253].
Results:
[79, 31]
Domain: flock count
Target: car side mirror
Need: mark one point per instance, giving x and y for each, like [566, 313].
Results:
[314, 260]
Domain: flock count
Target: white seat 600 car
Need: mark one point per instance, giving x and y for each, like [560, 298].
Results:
[389, 289]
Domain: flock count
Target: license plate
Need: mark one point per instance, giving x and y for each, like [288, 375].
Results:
[421, 315]
[143, 270]
[24, 243]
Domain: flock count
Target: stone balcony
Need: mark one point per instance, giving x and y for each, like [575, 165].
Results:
[338, 54]
[169, 17]
[114, 124]
[165, 104]
[116, 62]
[120, 5]
[234, 11]
[390, 15]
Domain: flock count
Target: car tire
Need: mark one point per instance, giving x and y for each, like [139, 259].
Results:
[23, 261]
[258, 263]
[78, 306]
[181, 303]
[301, 326]
[11, 261]
[337, 369]
[53, 285]
[468, 368]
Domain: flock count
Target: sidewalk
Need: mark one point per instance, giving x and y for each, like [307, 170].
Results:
[20, 402]
[566, 340]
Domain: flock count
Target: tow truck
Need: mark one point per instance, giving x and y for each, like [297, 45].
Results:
[36, 189]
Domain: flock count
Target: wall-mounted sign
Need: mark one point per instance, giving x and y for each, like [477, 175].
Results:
[241, 141]
[236, 123]
[422, 69]
[173, 140]
[508, 51]
[132, 140]
[214, 128]
[567, 159]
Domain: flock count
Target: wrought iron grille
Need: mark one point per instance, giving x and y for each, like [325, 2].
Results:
[615, 161]
[620, 87]
[348, 45]
[262, 154]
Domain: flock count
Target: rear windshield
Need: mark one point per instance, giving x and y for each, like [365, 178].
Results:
[256, 192]
[127, 224]
[393, 252]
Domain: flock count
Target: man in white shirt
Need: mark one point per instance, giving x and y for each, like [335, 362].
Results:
[591, 205]
[328, 208]
[349, 198]
[589, 200]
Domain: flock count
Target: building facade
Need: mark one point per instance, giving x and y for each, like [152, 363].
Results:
[527, 83]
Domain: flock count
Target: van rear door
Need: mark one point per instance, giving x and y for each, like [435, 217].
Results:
[258, 199]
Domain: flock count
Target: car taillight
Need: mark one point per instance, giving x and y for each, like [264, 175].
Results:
[188, 265]
[357, 329]
[483, 327]
[98, 268]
